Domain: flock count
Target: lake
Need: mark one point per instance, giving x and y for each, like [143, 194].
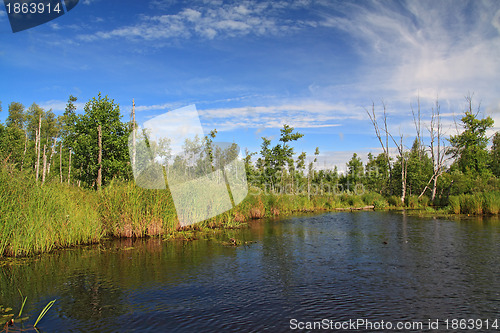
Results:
[372, 268]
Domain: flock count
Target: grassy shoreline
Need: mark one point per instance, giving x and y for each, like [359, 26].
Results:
[36, 219]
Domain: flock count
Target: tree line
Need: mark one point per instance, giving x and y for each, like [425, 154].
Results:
[65, 148]
[91, 149]
[434, 167]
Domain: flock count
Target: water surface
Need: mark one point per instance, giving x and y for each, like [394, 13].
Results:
[336, 266]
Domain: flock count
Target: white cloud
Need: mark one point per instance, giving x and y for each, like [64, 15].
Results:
[297, 113]
[444, 48]
[58, 106]
[55, 26]
[496, 20]
[161, 4]
[211, 20]
[156, 107]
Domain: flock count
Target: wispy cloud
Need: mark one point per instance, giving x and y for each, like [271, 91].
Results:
[156, 107]
[161, 4]
[55, 26]
[210, 20]
[58, 106]
[425, 47]
[299, 114]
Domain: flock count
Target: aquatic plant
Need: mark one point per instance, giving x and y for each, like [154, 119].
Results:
[8, 321]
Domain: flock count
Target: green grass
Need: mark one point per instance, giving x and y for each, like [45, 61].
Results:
[37, 218]
[475, 204]
[127, 210]
[454, 205]
[491, 202]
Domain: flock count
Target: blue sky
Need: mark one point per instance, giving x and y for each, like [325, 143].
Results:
[252, 66]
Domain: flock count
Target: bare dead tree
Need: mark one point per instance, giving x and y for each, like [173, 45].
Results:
[52, 152]
[44, 163]
[38, 135]
[60, 162]
[404, 164]
[417, 123]
[133, 135]
[438, 149]
[99, 158]
[376, 126]
[25, 147]
[69, 167]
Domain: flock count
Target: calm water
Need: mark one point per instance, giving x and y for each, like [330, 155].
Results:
[336, 266]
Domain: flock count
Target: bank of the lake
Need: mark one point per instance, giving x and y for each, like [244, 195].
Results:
[38, 218]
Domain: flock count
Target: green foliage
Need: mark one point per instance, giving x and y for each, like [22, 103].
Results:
[495, 155]
[355, 201]
[423, 201]
[370, 198]
[411, 201]
[469, 147]
[491, 202]
[12, 141]
[377, 173]
[16, 117]
[273, 161]
[380, 204]
[395, 201]
[7, 318]
[115, 156]
[454, 204]
[37, 219]
[127, 210]
[471, 204]
[354, 170]
[419, 169]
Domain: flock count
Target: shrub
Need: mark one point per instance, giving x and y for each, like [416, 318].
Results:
[454, 204]
[355, 201]
[424, 201]
[394, 200]
[380, 204]
[411, 201]
[371, 197]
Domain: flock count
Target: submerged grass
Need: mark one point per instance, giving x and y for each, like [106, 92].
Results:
[9, 322]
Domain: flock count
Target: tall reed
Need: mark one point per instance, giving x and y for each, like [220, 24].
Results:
[36, 218]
